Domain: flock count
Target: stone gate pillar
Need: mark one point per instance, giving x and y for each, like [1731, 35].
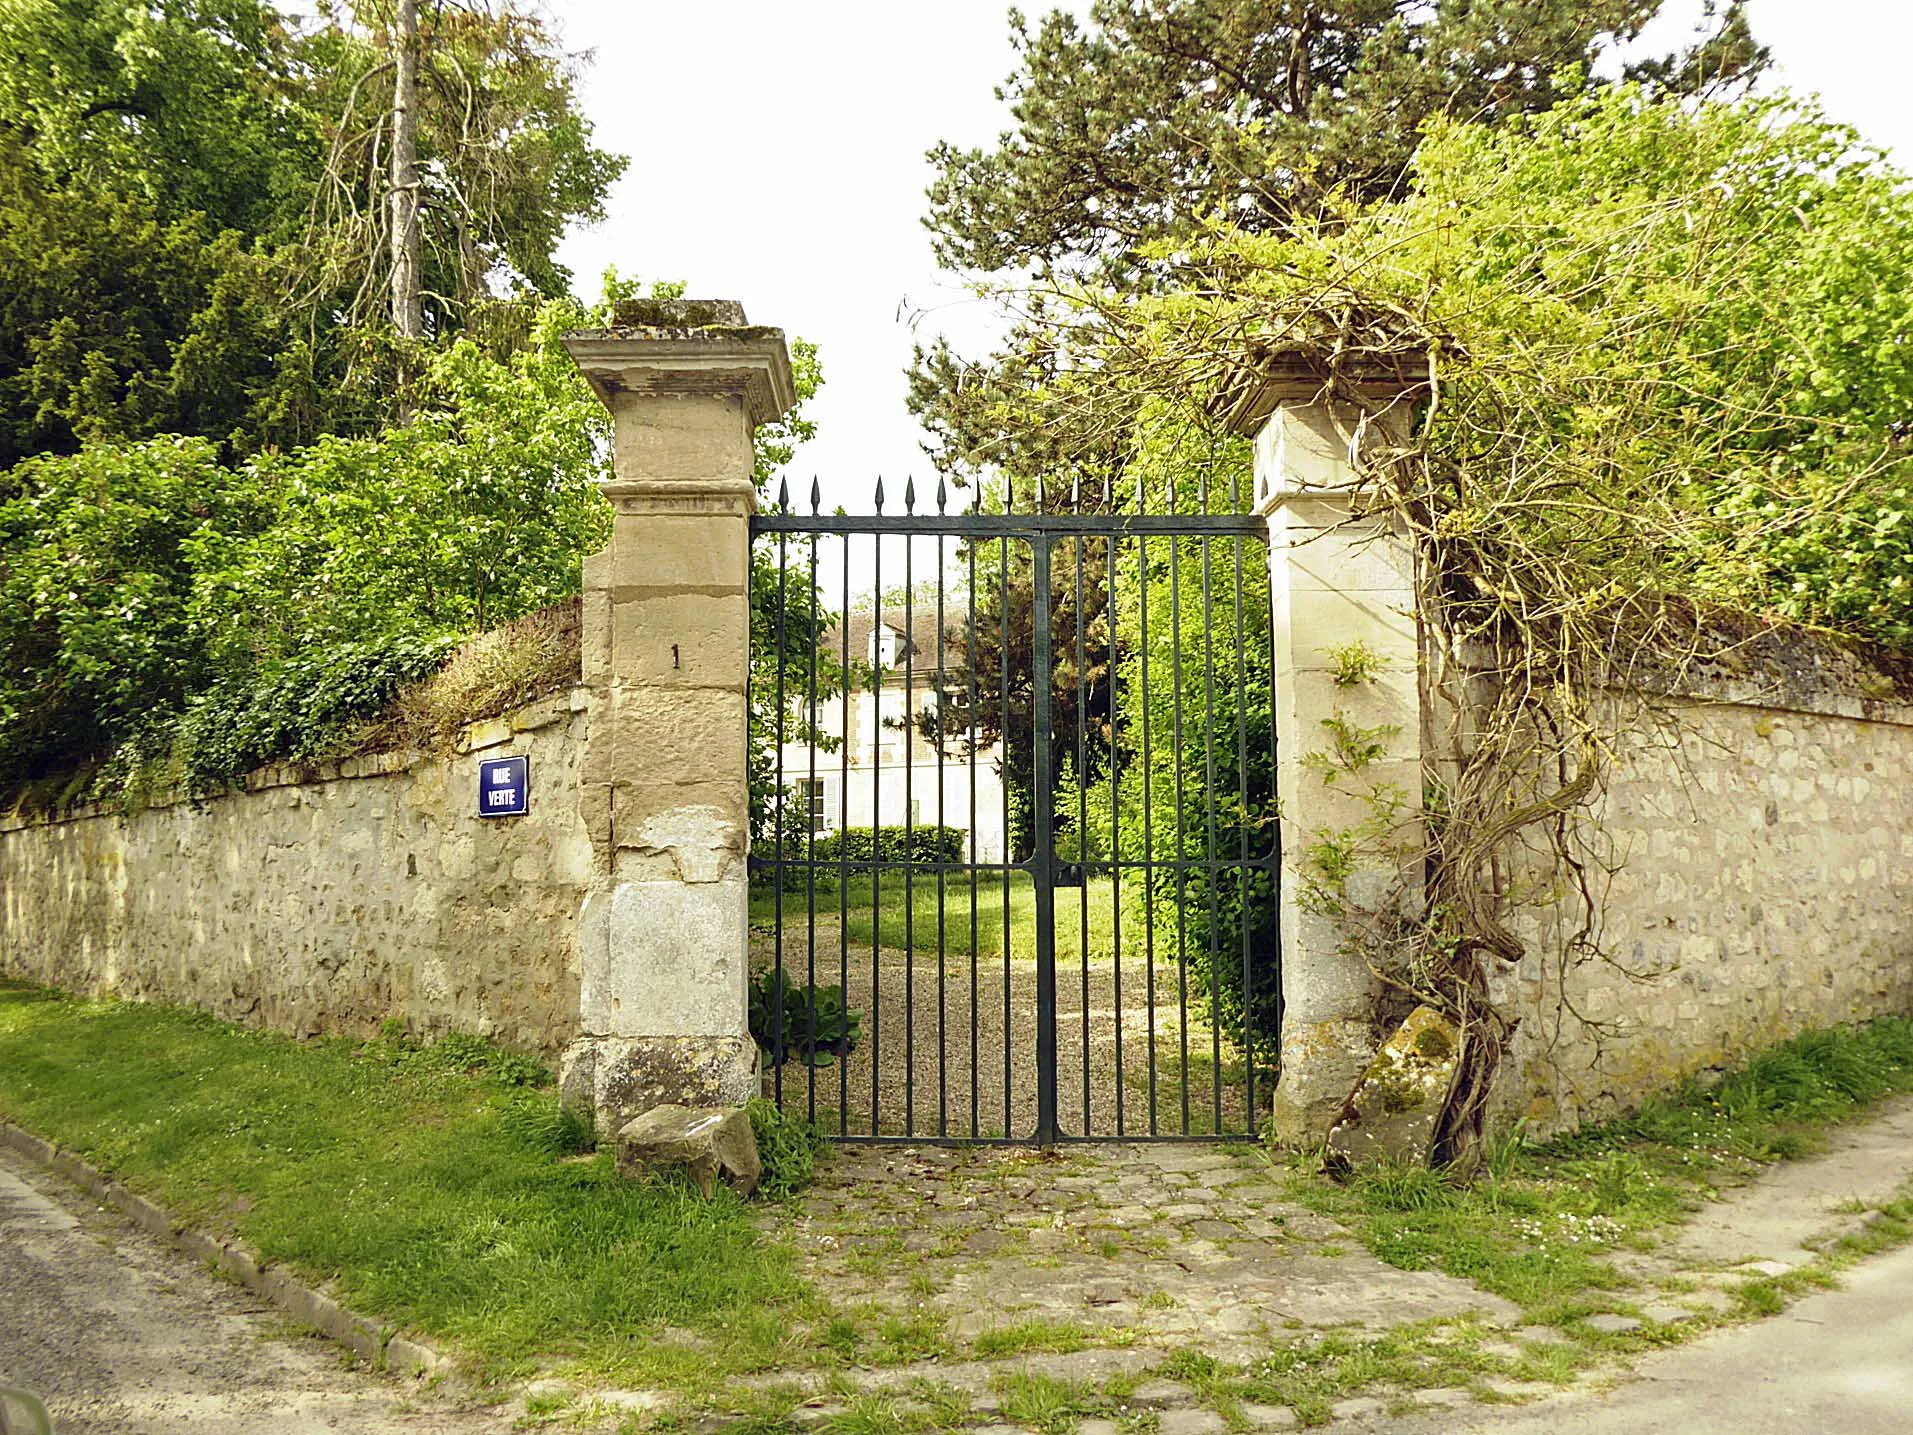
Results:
[1347, 658]
[666, 658]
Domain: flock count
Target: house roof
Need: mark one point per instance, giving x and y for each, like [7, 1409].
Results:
[923, 636]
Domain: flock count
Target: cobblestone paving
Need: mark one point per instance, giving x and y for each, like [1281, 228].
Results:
[1139, 1289]
[1142, 1246]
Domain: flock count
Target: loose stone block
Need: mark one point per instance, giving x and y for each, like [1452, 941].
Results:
[1321, 1061]
[708, 1143]
[1391, 1114]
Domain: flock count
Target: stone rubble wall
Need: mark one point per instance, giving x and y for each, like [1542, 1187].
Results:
[1759, 828]
[326, 898]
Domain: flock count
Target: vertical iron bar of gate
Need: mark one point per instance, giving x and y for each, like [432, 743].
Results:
[1043, 858]
[943, 1047]
[1110, 558]
[1274, 859]
[1242, 834]
[813, 803]
[1003, 692]
[1148, 832]
[1082, 812]
[1182, 844]
[909, 850]
[1212, 883]
[876, 819]
[843, 854]
[777, 851]
[976, 855]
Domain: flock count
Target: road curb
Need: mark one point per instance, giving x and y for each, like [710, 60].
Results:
[378, 1344]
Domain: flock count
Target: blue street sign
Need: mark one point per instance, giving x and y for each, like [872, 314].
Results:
[504, 787]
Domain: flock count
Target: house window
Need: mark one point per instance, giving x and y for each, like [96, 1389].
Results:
[810, 792]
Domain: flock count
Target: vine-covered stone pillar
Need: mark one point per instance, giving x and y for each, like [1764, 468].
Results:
[666, 659]
[1348, 725]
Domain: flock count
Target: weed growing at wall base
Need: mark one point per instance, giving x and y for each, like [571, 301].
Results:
[431, 1184]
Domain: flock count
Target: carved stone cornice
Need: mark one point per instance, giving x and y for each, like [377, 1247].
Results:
[744, 359]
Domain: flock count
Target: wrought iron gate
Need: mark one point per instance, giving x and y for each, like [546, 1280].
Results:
[1058, 731]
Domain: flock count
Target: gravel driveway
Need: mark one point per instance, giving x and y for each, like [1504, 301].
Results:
[920, 1045]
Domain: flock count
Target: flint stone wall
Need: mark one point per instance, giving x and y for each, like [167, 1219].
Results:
[326, 898]
[1760, 830]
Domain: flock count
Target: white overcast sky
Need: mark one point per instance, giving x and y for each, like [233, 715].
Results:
[777, 158]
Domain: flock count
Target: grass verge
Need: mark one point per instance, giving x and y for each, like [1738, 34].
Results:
[1540, 1221]
[436, 1186]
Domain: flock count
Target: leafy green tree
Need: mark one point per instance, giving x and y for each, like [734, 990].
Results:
[140, 149]
[190, 217]
[475, 511]
[184, 104]
[503, 164]
[1135, 130]
[97, 610]
[156, 602]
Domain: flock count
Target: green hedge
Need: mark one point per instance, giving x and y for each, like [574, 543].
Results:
[862, 845]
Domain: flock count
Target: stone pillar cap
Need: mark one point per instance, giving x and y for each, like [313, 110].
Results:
[687, 346]
[1268, 380]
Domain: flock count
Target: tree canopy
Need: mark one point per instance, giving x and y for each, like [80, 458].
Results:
[189, 215]
[1668, 342]
[240, 500]
[1135, 131]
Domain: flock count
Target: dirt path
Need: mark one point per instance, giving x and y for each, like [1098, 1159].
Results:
[1839, 1361]
[1794, 1207]
[118, 1334]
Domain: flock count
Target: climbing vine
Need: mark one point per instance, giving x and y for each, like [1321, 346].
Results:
[1629, 377]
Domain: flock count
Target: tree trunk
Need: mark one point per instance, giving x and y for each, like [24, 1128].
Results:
[408, 307]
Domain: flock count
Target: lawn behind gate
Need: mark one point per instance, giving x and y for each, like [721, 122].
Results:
[434, 1186]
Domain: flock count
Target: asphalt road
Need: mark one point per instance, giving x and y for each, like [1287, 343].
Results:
[117, 1333]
